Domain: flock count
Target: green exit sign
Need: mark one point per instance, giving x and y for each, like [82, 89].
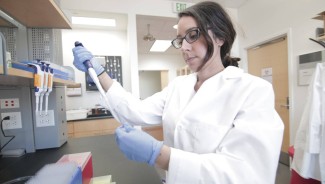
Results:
[180, 6]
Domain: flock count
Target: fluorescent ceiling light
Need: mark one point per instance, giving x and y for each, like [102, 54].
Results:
[175, 26]
[94, 21]
[160, 46]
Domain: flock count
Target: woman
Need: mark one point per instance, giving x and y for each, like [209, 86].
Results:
[219, 123]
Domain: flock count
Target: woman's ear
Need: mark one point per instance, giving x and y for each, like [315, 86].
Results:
[219, 42]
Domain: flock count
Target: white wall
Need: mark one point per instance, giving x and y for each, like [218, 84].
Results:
[161, 62]
[262, 20]
[99, 42]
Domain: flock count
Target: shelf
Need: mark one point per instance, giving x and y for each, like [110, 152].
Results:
[322, 38]
[13, 72]
[320, 16]
[184, 71]
[36, 13]
[19, 73]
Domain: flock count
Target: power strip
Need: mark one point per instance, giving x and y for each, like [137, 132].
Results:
[45, 119]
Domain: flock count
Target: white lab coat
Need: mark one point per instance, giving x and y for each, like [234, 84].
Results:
[226, 132]
[309, 147]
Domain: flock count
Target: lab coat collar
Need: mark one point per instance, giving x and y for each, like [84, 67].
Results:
[232, 72]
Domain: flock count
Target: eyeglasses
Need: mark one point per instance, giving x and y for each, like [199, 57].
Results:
[190, 37]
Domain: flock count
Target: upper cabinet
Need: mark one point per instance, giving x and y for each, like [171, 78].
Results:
[30, 30]
[321, 16]
[5, 23]
[35, 13]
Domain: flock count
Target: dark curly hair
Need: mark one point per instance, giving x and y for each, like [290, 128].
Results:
[211, 16]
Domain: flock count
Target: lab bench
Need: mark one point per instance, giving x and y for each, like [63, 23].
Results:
[107, 160]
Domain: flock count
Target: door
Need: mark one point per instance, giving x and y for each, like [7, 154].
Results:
[270, 61]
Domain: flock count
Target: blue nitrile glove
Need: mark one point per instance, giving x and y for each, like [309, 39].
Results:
[137, 145]
[81, 54]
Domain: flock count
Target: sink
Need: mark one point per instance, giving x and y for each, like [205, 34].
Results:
[99, 112]
[77, 114]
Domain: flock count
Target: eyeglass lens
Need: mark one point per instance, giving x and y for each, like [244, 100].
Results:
[190, 37]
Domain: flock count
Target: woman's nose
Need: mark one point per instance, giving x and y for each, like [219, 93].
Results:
[185, 45]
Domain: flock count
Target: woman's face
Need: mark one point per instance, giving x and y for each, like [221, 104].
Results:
[194, 49]
[193, 53]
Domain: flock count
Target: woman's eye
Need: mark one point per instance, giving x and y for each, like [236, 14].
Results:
[192, 36]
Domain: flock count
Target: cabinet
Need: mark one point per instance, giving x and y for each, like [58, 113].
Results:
[35, 13]
[6, 23]
[25, 43]
[183, 71]
[95, 127]
[155, 131]
[92, 127]
[321, 16]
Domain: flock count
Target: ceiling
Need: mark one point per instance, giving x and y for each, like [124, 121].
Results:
[160, 27]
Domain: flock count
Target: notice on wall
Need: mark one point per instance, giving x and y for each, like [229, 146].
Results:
[266, 73]
[305, 75]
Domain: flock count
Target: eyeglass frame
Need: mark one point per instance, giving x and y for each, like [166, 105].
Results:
[186, 36]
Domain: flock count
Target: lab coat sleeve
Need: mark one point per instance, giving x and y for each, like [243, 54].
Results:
[248, 153]
[128, 109]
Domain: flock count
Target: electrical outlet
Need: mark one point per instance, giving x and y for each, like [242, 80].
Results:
[44, 119]
[9, 103]
[14, 122]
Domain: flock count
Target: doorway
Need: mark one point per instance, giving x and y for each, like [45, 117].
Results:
[152, 81]
[270, 61]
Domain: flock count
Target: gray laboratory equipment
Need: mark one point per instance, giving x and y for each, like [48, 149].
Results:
[50, 128]
[32, 130]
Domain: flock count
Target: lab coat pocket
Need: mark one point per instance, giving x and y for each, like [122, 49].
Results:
[208, 137]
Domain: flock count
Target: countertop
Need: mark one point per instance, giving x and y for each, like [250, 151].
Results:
[92, 118]
[107, 160]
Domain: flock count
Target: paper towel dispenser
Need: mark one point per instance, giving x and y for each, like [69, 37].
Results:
[307, 64]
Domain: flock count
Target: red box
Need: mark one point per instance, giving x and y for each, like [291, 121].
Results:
[84, 161]
[295, 177]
